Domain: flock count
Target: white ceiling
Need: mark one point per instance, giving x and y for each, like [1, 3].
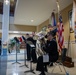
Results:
[37, 10]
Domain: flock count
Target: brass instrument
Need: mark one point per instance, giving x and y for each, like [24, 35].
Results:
[39, 50]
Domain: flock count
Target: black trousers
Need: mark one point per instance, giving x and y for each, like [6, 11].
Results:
[31, 54]
[41, 66]
[28, 52]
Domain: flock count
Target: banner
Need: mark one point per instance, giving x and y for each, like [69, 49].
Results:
[74, 17]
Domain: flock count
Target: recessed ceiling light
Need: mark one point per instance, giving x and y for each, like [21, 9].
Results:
[32, 20]
[6, 1]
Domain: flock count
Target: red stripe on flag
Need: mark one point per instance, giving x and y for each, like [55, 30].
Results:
[60, 36]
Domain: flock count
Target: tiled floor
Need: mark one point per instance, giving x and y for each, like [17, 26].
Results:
[15, 69]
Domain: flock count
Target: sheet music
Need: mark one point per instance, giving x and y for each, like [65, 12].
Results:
[32, 45]
[45, 58]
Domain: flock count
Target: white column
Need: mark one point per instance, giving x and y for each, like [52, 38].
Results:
[5, 25]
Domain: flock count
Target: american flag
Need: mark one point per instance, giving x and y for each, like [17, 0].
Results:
[60, 34]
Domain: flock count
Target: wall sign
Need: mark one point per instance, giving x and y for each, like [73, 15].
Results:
[70, 21]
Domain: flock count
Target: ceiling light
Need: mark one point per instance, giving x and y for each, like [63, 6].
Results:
[6, 2]
[32, 20]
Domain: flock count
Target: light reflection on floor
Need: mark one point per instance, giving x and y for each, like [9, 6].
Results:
[15, 73]
[15, 69]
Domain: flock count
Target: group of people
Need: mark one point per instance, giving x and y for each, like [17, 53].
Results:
[43, 47]
[48, 46]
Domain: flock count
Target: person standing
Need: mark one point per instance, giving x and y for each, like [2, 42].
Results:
[51, 49]
[31, 54]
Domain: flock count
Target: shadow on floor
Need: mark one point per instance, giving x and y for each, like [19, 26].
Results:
[54, 74]
[20, 73]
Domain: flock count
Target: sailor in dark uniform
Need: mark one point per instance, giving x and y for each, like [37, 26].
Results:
[51, 49]
[31, 54]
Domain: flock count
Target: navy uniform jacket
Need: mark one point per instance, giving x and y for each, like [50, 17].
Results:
[51, 49]
[31, 54]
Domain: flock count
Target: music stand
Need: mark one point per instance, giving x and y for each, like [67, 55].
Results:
[25, 58]
[17, 42]
[31, 48]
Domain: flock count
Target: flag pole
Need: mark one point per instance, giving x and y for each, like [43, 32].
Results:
[58, 6]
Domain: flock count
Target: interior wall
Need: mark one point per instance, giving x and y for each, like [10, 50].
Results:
[0, 25]
[0, 35]
[39, 27]
[12, 35]
[68, 37]
[25, 28]
[22, 28]
[65, 18]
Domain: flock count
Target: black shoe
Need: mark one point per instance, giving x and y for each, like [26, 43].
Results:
[45, 69]
[42, 73]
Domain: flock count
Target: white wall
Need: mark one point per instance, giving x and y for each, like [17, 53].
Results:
[14, 35]
[0, 18]
[72, 49]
